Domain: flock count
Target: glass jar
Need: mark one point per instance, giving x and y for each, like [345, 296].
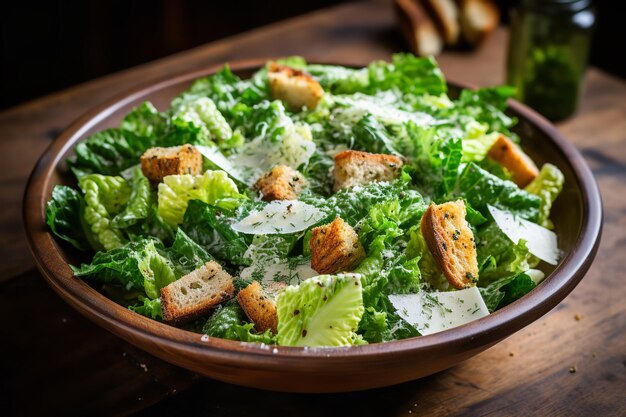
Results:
[548, 51]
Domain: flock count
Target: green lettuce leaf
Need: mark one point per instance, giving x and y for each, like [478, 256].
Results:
[229, 322]
[505, 290]
[340, 80]
[407, 73]
[156, 270]
[63, 216]
[213, 187]
[145, 121]
[138, 206]
[547, 186]
[210, 226]
[147, 307]
[105, 196]
[479, 188]
[321, 311]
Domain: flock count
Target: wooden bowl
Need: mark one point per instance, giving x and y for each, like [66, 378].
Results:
[577, 215]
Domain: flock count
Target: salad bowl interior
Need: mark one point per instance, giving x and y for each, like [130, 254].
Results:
[577, 216]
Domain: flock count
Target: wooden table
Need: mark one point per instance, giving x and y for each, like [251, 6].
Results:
[571, 362]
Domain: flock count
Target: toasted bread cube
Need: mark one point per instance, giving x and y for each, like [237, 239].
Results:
[360, 168]
[259, 308]
[451, 241]
[157, 163]
[196, 293]
[478, 19]
[297, 88]
[513, 158]
[335, 247]
[281, 183]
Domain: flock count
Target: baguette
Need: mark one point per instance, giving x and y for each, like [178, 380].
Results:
[478, 19]
[451, 242]
[446, 15]
[418, 28]
[196, 293]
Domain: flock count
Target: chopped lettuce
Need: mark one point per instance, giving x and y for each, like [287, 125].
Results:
[148, 235]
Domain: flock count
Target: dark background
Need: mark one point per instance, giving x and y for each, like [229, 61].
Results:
[51, 45]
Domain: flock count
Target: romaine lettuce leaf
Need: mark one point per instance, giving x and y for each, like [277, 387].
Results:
[145, 121]
[480, 188]
[229, 322]
[210, 227]
[506, 290]
[138, 206]
[321, 311]
[63, 216]
[407, 73]
[147, 307]
[213, 187]
[547, 186]
[105, 196]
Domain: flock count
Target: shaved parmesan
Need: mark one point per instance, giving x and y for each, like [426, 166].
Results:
[536, 275]
[216, 157]
[437, 311]
[279, 270]
[540, 241]
[280, 217]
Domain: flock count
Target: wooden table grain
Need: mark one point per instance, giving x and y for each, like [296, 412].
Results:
[571, 362]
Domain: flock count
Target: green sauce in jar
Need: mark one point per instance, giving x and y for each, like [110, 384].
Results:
[548, 51]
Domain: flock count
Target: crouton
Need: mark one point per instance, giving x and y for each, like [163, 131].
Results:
[259, 308]
[478, 19]
[335, 247]
[360, 168]
[446, 16]
[418, 28]
[451, 242]
[296, 88]
[196, 293]
[510, 156]
[157, 163]
[281, 183]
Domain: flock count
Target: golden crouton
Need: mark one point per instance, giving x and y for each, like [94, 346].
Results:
[297, 88]
[451, 242]
[360, 168]
[281, 183]
[196, 293]
[335, 247]
[258, 307]
[510, 156]
[157, 163]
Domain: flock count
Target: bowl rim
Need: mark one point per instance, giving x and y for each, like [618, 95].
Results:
[490, 329]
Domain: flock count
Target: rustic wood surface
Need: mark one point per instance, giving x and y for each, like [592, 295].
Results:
[571, 362]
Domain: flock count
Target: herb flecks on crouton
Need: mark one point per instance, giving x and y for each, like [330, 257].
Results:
[451, 242]
[335, 247]
[157, 163]
[259, 308]
[361, 168]
[281, 183]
